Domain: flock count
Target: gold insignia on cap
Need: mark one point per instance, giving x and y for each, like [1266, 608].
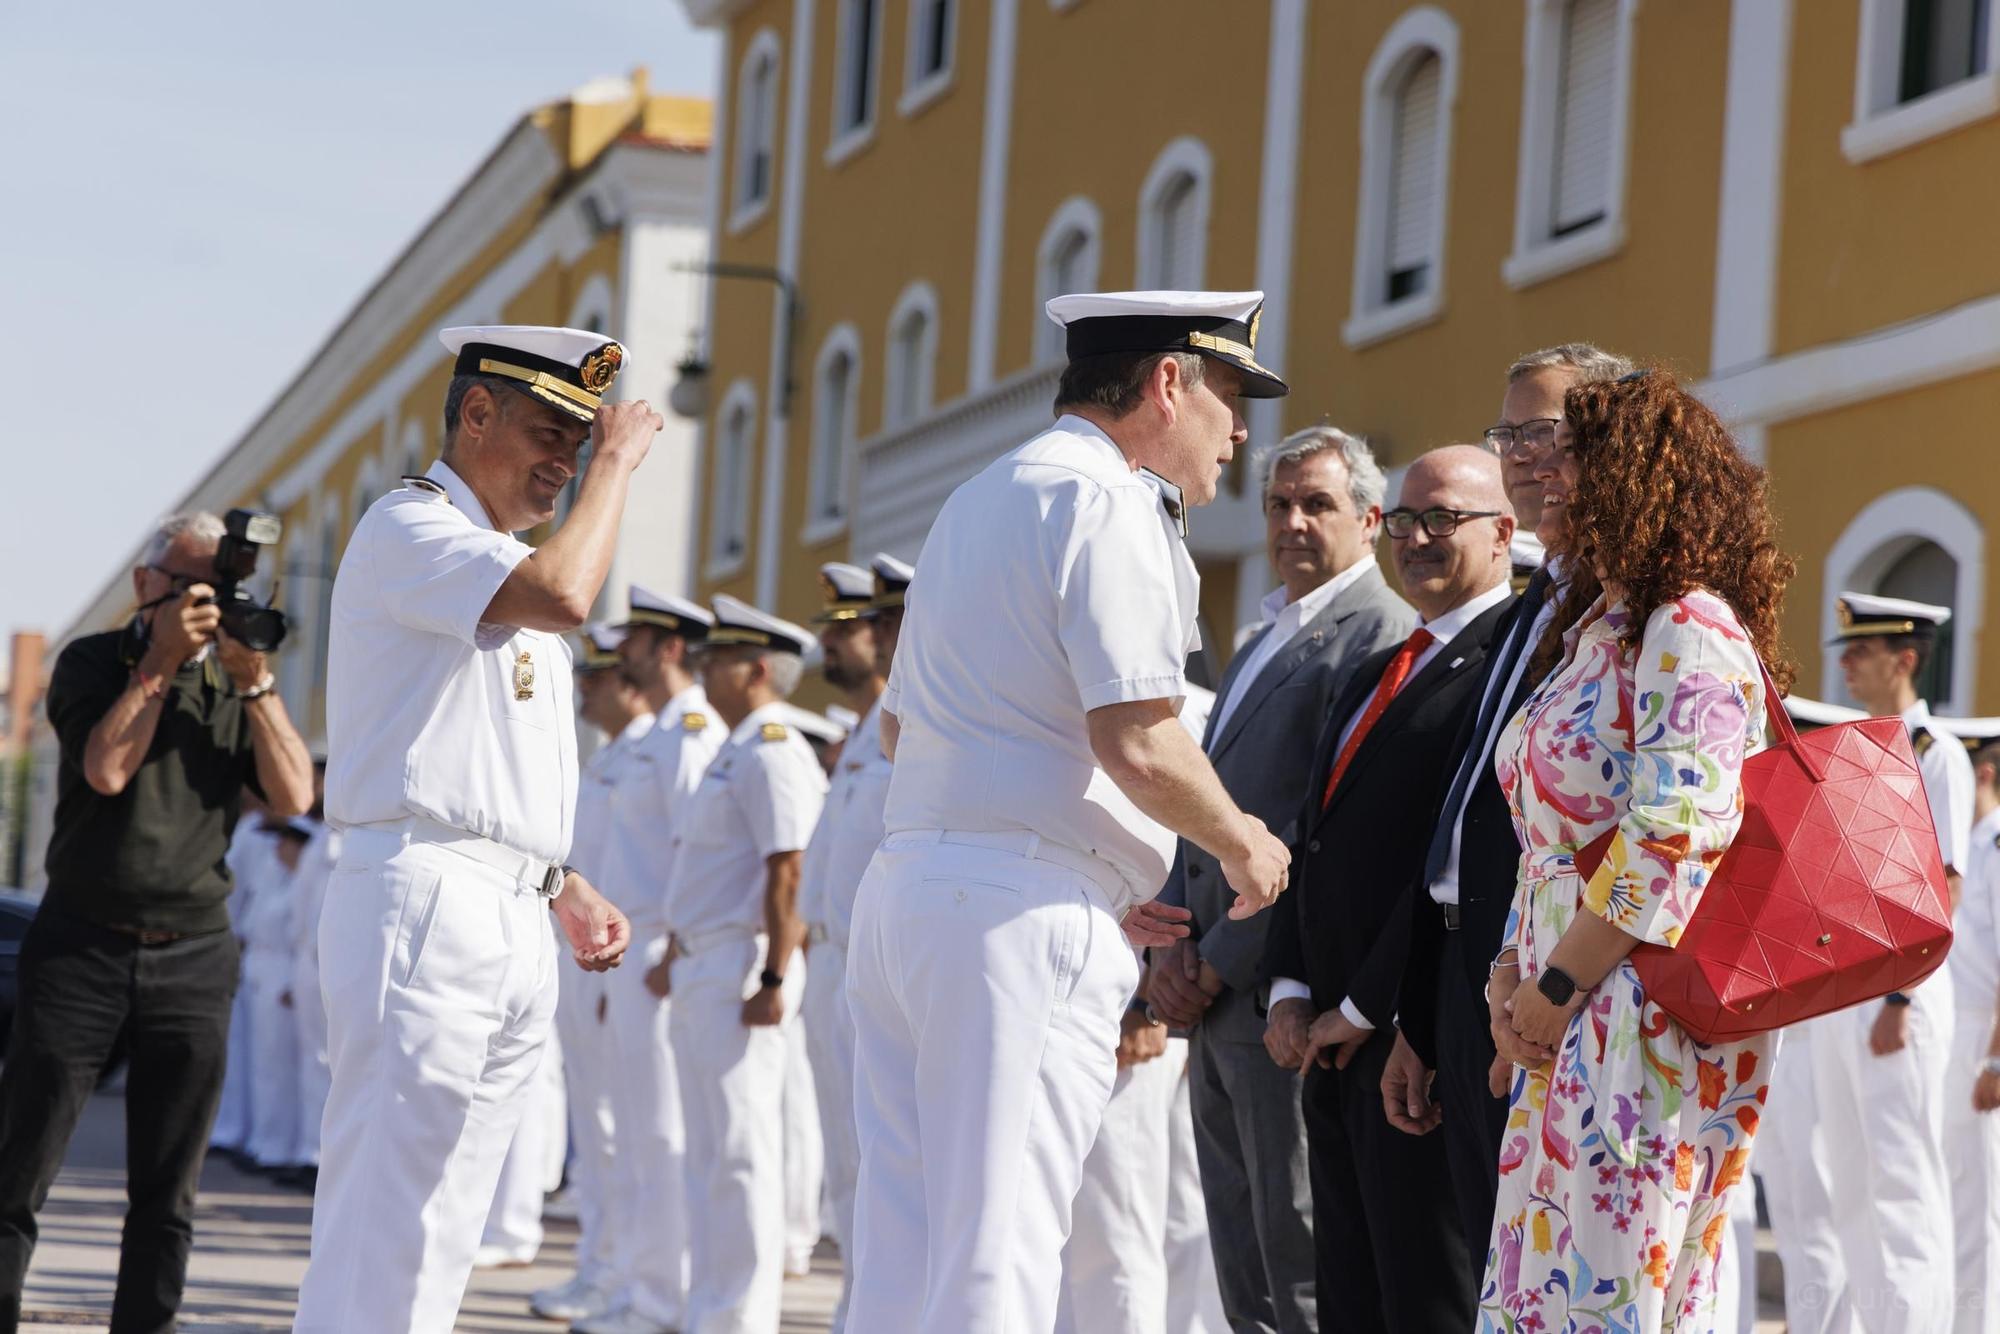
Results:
[1256, 318]
[1843, 613]
[524, 676]
[828, 589]
[694, 722]
[773, 732]
[601, 367]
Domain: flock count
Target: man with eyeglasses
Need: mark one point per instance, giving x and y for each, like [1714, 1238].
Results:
[163, 724]
[1440, 1063]
[1332, 609]
[1382, 1238]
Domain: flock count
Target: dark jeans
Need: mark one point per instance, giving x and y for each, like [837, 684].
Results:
[82, 989]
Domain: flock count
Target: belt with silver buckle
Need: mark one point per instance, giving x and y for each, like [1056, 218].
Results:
[1453, 919]
[145, 937]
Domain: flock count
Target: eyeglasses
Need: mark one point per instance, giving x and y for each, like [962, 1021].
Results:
[1537, 434]
[1400, 523]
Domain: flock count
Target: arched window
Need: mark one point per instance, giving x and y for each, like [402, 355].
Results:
[836, 386]
[912, 358]
[857, 51]
[1922, 68]
[1066, 261]
[1921, 544]
[416, 450]
[933, 32]
[733, 438]
[756, 128]
[1173, 219]
[1576, 97]
[1411, 88]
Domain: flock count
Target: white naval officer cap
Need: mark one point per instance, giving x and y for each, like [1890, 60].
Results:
[1867, 616]
[816, 727]
[600, 643]
[845, 590]
[690, 620]
[892, 581]
[565, 368]
[842, 717]
[1222, 325]
[737, 622]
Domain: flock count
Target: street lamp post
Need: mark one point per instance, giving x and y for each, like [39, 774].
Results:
[689, 396]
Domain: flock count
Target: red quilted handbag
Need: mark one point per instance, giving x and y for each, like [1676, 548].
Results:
[1832, 894]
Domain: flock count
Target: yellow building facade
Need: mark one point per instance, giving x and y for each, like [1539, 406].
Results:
[588, 213]
[1789, 203]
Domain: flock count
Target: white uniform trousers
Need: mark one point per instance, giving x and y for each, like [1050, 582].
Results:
[1194, 1296]
[232, 1117]
[732, 1081]
[830, 1044]
[532, 1167]
[309, 1023]
[274, 1059]
[1791, 1162]
[439, 978]
[986, 988]
[1890, 1196]
[588, 1063]
[1972, 1156]
[647, 1205]
[804, 1155]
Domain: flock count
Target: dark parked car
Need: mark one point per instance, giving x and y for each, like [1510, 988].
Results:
[15, 914]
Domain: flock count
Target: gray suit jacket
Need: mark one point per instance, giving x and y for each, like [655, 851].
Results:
[1263, 754]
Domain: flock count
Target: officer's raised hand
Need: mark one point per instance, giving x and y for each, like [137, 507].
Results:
[1257, 868]
[597, 932]
[624, 431]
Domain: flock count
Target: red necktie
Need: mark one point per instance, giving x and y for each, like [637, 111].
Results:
[1393, 677]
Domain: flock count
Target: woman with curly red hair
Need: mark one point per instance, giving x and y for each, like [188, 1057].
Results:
[1627, 1140]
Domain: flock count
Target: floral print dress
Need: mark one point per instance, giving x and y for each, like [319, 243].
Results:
[1621, 1160]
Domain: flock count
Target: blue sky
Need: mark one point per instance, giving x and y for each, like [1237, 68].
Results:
[196, 193]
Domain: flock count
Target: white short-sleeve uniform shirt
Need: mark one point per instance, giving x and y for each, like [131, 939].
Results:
[429, 711]
[849, 831]
[656, 784]
[1975, 945]
[1948, 784]
[1053, 583]
[590, 848]
[761, 796]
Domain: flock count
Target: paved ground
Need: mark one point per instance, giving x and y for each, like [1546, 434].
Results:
[250, 1251]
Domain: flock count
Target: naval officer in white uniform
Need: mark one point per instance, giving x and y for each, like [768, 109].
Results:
[1041, 775]
[452, 767]
[857, 625]
[733, 902]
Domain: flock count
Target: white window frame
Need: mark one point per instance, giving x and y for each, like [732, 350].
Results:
[1538, 255]
[852, 139]
[1186, 156]
[1423, 31]
[746, 213]
[823, 524]
[1882, 533]
[1881, 124]
[416, 444]
[720, 564]
[918, 298]
[1075, 216]
[920, 90]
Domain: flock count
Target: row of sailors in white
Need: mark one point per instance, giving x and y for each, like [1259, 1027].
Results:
[1881, 1160]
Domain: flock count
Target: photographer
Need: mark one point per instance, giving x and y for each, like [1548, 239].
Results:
[162, 725]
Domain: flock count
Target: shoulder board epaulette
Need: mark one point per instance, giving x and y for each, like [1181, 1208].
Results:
[425, 485]
[774, 732]
[1921, 739]
[694, 722]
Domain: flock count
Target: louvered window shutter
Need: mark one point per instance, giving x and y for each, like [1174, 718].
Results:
[1413, 195]
[1581, 191]
[1176, 264]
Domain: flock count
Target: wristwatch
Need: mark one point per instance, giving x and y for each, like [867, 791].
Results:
[1558, 987]
[1895, 998]
[770, 981]
[1990, 1066]
[262, 688]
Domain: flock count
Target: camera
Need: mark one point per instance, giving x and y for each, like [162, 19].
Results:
[248, 621]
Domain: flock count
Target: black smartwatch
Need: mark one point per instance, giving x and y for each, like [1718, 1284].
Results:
[1895, 998]
[770, 981]
[1556, 986]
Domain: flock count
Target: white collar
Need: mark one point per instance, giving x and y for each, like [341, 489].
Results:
[1313, 603]
[1452, 624]
[1917, 715]
[637, 728]
[459, 492]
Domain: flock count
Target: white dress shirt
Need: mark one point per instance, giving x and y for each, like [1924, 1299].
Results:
[849, 831]
[760, 797]
[1286, 619]
[1948, 783]
[1975, 942]
[655, 784]
[430, 711]
[1054, 582]
[590, 849]
[1443, 630]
